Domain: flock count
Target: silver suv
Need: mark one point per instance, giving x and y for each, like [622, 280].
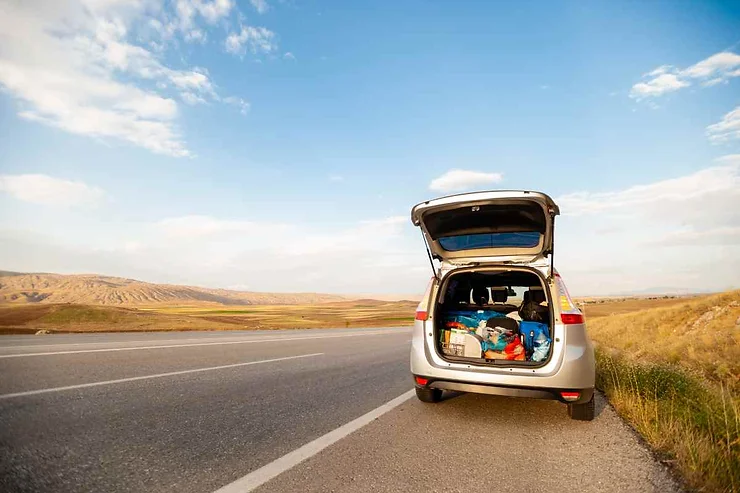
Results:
[496, 317]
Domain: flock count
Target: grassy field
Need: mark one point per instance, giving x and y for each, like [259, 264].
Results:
[673, 372]
[87, 318]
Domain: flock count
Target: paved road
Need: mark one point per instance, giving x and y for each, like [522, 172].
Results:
[194, 412]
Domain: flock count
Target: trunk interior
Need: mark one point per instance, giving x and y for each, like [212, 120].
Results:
[494, 317]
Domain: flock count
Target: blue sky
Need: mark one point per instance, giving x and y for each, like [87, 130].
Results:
[279, 145]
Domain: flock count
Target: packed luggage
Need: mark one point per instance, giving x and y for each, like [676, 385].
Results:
[496, 334]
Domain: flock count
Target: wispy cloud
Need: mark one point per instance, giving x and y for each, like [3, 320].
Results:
[727, 129]
[460, 179]
[694, 192]
[75, 66]
[47, 190]
[208, 226]
[716, 69]
[261, 6]
[642, 234]
[336, 178]
[251, 39]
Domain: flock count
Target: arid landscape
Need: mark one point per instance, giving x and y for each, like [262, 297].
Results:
[94, 303]
[669, 364]
[94, 289]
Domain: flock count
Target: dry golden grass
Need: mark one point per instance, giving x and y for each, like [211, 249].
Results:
[85, 318]
[674, 373]
[697, 334]
[615, 306]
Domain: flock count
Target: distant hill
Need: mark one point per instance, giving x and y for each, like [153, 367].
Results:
[93, 289]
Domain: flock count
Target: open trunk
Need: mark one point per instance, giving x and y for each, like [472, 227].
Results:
[494, 316]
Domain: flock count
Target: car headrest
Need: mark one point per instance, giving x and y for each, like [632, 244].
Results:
[537, 294]
[480, 295]
[499, 295]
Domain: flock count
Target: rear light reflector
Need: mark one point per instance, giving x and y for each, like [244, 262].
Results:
[570, 396]
[421, 315]
[421, 380]
[572, 318]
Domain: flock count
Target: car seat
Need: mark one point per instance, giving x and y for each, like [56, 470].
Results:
[500, 295]
[531, 309]
[480, 295]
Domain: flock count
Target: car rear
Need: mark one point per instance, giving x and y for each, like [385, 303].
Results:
[444, 353]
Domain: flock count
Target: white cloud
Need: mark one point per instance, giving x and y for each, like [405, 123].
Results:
[460, 179]
[186, 12]
[678, 232]
[260, 6]
[72, 65]
[191, 98]
[289, 56]
[204, 226]
[239, 103]
[657, 86]
[336, 178]
[675, 196]
[659, 71]
[253, 39]
[727, 129]
[726, 235]
[196, 36]
[716, 69]
[719, 65]
[47, 190]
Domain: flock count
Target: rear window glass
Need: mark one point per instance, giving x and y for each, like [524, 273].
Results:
[526, 239]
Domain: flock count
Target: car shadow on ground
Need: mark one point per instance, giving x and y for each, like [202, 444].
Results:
[450, 395]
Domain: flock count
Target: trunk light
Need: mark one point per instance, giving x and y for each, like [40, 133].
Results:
[571, 318]
[570, 396]
[421, 315]
[421, 381]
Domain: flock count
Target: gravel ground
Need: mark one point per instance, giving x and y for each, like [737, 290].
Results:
[484, 443]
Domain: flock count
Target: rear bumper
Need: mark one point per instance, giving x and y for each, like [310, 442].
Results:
[506, 390]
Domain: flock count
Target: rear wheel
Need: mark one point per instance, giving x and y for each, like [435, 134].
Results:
[429, 395]
[582, 412]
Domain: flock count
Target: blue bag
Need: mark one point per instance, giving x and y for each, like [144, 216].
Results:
[530, 332]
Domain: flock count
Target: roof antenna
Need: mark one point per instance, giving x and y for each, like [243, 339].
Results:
[429, 254]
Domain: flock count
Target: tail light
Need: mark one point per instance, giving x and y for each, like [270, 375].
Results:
[422, 311]
[570, 396]
[569, 312]
[572, 318]
[421, 380]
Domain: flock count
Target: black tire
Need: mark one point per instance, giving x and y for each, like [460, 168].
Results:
[429, 395]
[582, 412]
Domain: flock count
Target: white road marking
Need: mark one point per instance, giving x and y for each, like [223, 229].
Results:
[260, 476]
[139, 341]
[166, 346]
[147, 377]
[224, 338]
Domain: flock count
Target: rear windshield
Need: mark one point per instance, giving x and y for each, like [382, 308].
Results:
[526, 239]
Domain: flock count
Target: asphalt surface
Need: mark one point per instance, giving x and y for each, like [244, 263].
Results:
[151, 422]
